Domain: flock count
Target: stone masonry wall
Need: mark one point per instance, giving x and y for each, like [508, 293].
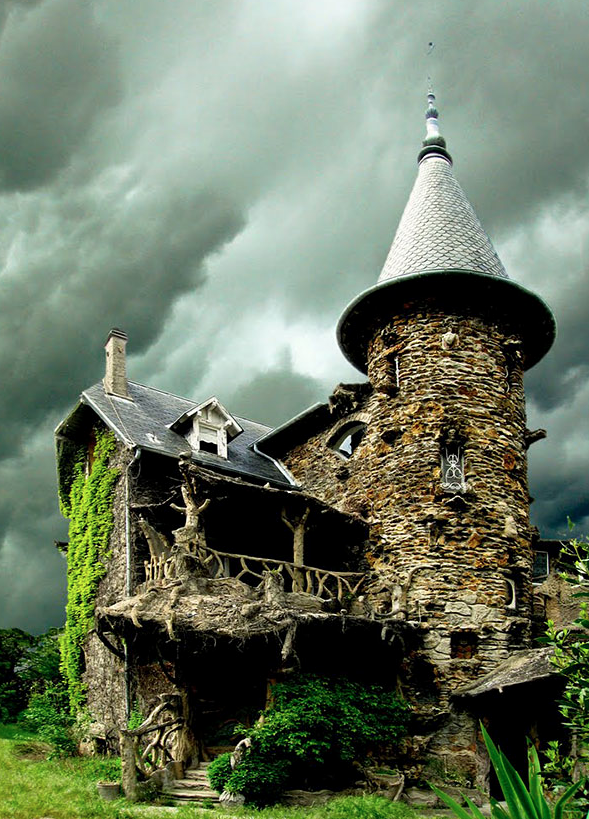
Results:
[441, 558]
[105, 673]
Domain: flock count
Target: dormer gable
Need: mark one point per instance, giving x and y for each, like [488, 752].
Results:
[207, 427]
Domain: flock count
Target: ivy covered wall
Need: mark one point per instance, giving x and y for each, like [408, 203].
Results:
[88, 504]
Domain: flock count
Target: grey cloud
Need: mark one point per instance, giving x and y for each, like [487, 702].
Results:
[274, 395]
[142, 155]
[58, 73]
[118, 266]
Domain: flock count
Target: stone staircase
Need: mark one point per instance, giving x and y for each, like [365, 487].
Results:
[194, 787]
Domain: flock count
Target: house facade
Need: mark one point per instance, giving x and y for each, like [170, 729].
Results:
[383, 535]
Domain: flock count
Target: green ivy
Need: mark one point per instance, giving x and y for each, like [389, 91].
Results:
[91, 522]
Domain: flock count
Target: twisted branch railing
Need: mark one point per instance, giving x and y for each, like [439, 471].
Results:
[323, 583]
[156, 753]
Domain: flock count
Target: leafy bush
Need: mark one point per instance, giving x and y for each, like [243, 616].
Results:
[48, 715]
[261, 781]
[313, 730]
[14, 645]
[219, 772]
[520, 802]
[324, 721]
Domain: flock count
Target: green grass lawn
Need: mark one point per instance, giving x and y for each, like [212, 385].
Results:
[32, 787]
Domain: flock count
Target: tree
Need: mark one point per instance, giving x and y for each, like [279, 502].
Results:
[14, 646]
[571, 646]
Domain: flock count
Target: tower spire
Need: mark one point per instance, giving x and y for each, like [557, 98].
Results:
[433, 139]
[441, 254]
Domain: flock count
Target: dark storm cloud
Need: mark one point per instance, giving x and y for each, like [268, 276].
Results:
[184, 174]
[58, 73]
[31, 569]
[118, 265]
[276, 394]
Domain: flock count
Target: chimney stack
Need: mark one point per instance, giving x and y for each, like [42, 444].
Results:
[115, 377]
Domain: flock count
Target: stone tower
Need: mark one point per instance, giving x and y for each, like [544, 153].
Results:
[445, 337]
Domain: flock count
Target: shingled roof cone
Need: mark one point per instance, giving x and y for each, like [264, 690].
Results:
[115, 377]
[441, 252]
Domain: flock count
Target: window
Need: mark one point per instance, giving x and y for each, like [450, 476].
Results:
[208, 428]
[463, 645]
[348, 439]
[510, 594]
[453, 467]
[541, 567]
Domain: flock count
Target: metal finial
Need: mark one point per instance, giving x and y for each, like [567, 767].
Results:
[432, 134]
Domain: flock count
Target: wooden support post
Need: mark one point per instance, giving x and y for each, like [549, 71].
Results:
[128, 769]
[297, 527]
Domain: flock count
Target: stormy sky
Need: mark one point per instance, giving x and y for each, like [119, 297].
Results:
[220, 178]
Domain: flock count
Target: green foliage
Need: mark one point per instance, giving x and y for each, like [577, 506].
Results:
[40, 665]
[14, 645]
[368, 806]
[28, 665]
[219, 772]
[311, 733]
[325, 721]
[521, 802]
[135, 717]
[66, 789]
[558, 767]
[571, 645]
[91, 522]
[261, 781]
[48, 715]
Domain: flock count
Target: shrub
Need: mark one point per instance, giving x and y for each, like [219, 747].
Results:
[48, 715]
[219, 772]
[312, 732]
[261, 781]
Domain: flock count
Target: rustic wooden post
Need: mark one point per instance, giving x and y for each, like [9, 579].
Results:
[297, 527]
[128, 768]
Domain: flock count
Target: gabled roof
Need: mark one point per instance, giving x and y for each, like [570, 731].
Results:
[211, 404]
[144, 421]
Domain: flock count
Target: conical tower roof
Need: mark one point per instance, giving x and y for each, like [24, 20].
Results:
[439, 230]
[441, 253]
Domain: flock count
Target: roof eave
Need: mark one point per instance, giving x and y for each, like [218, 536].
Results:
[483, 293]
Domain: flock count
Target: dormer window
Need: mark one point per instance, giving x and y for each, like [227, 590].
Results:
[208, 428]
[347, 439]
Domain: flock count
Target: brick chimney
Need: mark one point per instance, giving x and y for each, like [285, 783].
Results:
[115, 377]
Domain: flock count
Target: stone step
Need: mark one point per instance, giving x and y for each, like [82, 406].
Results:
[195, 773]
[192, 794]
[199, 784]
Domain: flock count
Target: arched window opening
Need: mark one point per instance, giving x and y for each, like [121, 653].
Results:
[348, 439]
[510, 594]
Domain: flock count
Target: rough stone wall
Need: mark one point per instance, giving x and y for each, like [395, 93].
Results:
[105, 673]
[556, 600]
[441, 558]
[105, 680]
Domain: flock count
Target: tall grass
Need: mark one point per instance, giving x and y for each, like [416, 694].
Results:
[32, 786]
[343, 807]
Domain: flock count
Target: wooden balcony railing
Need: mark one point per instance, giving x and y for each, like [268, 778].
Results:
[322, 583]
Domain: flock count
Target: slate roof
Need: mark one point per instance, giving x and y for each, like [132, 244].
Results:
[441, 254]
[144, 421]
[439, 229]
[522, 667]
